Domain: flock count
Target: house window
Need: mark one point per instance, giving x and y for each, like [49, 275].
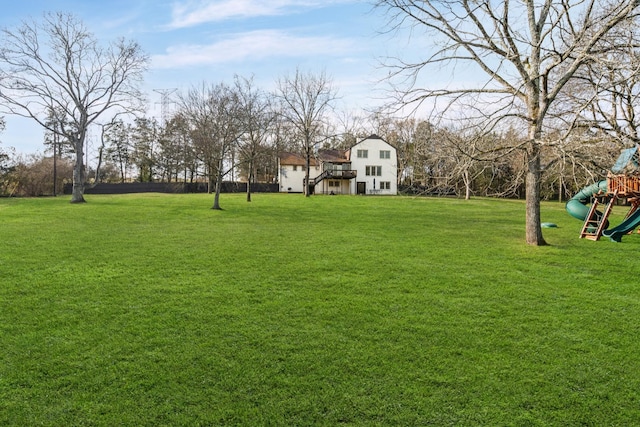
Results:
[385, 185]
[385, 154]
[334, 183]
[373, 171]
[363, 154]
[295, 168]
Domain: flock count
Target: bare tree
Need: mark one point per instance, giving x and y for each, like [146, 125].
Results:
[213, 113]
[33, 175]
[401, 134]
[144, 142]
[177, 131]
[52, 140]
[350, 128]
[58, 65]
[527, 50]
[103, 148]
[256, 118]
[172, 153]
[606, 93]
[306, 100]
[7, 183]
[282, 139]
[117, 136]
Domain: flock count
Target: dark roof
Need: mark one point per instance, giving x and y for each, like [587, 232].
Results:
[324, 155]
[294, 159]
[333, 156]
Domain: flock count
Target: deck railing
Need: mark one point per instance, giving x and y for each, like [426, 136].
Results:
[335, 174]
[624, 184]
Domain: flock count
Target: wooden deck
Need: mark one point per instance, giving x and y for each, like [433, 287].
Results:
[624, 185]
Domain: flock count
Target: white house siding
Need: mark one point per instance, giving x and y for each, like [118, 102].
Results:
[292, 181]
[341, 186]
[388, 167]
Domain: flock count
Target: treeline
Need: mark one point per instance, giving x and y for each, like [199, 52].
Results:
[432, 160]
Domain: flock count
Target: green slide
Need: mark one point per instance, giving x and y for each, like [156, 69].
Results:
[576, 206]
[626, 226]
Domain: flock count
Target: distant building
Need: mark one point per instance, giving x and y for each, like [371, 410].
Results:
[369, 167]
[291, 172]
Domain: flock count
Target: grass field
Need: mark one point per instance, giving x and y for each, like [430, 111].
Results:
[155, 310]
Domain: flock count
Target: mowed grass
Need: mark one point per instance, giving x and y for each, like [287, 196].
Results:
[155, 310]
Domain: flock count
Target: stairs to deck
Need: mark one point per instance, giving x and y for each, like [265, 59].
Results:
[595, 222]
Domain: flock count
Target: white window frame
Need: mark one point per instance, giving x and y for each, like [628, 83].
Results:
[373, 170]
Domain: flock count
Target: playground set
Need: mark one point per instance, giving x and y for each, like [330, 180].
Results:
[623, 182]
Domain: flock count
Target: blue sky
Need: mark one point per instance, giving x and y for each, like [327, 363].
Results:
[195, 41]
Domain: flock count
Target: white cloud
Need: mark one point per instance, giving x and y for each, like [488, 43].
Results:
[191, 13]
[252, 46]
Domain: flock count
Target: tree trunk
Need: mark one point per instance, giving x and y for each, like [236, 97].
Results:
[216, 198]
[533, 227]
[122, 178]
[77, 193]
[249, 179]
[210, 182]
[100, 154]
[55, 165]
[306, 173]
[560, 188]
[467, 185]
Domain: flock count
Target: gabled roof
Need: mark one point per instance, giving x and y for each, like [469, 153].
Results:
[325, 155]
[294, 159]
[372, 136]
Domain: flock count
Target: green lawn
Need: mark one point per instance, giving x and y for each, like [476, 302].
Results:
[156, 310]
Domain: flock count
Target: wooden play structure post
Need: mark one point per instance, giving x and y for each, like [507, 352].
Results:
[623, 182]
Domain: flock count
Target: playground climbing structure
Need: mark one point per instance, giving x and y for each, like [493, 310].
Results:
[623, 182]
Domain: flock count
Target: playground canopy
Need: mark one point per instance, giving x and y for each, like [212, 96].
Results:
[628, 161]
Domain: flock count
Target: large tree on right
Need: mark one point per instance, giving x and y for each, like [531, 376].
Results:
[508, 61]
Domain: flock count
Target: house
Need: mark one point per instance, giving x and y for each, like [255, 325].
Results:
[369, 167]
[291, 172]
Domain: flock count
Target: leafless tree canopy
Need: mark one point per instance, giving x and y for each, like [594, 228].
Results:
[605, 94]
[57, 65]
[257, 117]
[213, 112]
[527, 51]
[305, 100]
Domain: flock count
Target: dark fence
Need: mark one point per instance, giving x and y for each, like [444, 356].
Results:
[426, 191]
[172, 187]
